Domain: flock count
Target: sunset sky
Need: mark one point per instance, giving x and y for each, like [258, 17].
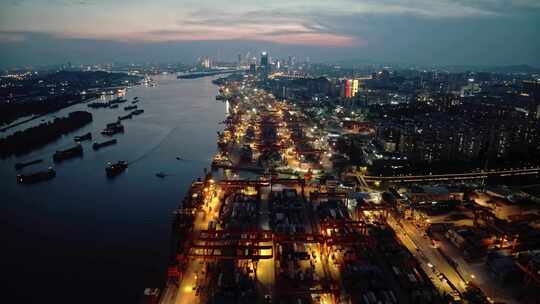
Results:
[412, 31]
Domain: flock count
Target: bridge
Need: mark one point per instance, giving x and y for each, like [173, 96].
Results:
[207, 73]
[448, 177]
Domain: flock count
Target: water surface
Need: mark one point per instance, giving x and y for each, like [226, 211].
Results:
[84, 238]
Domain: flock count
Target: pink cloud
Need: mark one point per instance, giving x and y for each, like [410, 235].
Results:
[318, 39]
[285, 33]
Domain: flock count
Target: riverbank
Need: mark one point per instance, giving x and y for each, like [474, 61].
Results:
[34, 117]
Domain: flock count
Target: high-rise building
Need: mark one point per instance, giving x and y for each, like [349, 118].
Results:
[470, 89]
[348, 88]
[292, 61]
[264, 60]
[265, 65]
[205, 63]
[252, 68]
[354, 87]
[532, 90]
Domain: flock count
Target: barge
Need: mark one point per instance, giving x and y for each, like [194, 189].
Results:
[97, 105]
[62, 155]
[117, 100]
[19, 166]
[97, 146]
[36, 177]
[87, 136]
[129, 116]
[113, 128]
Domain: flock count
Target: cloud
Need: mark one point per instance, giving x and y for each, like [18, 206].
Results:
[309, 22]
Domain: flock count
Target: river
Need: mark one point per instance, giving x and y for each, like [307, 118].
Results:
[83, 238]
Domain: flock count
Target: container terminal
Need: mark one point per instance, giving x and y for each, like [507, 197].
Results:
[287, 232]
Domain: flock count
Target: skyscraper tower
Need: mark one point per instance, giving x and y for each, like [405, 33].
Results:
[265, 65]
[264, 60]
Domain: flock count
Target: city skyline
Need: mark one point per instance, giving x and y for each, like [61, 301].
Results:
[418, 32]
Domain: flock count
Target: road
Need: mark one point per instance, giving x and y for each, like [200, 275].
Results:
[265, 267]
[194, 271]
[479, 274]
[431, 261]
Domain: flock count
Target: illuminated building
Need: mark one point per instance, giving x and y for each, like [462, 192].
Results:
[354, 87]
[205, 63]
[349, 88]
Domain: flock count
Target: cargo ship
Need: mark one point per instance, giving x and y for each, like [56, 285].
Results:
[128, 108]
[129, 116]
[113, 128]
[97, 146]
[113, 170]
[137, 112]
[36, 177]
[19, 166]
[68, 153]
[87, 136]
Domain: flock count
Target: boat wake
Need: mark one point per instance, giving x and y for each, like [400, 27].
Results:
[158, 145]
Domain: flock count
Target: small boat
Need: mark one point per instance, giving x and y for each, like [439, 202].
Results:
[161, 175]
[68, 153]
[19, 166]
[36, 177]
[97, 146]
[113, 170]
[134, 102]
[137, 112]
[113, 106]
[179, 158]
[87, 136]
[128, 108]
